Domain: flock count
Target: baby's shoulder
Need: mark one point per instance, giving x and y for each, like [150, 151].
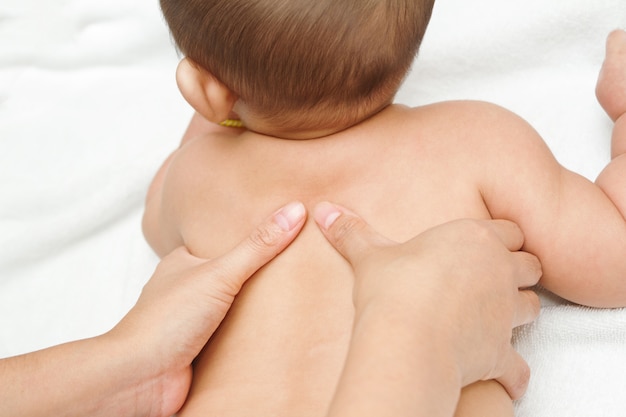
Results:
[474, 137]
[465, 115]
[473, 124]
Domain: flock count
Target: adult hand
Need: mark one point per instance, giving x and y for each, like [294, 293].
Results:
[143, 366]
[461, 284]
[187, 298]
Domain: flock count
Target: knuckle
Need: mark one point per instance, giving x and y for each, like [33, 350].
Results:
[527, 269]
[513, 373]
[535, 266]
[534, 303]
[224, 278]
[344, 229]
[262, 239]
[521, 380]
[477, 230]
[528, 308]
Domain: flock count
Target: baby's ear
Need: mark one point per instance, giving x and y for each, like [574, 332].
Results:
[205, 93]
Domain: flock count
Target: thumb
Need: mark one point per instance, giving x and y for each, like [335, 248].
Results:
[351, 236]
[261, 246]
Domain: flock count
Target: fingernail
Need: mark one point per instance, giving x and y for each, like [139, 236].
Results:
[326, 214]
[289, 216]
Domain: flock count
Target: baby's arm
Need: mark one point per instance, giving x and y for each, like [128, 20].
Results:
[611, 93]
[152, 216]
[575, 229]
[160, 238]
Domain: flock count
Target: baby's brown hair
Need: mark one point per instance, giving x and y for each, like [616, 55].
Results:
[290, 60]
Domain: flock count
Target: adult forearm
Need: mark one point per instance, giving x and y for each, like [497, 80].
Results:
[394, 370]
[91, 377]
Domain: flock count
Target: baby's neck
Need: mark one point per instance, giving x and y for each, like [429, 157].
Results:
[266, 127]
[296, 134]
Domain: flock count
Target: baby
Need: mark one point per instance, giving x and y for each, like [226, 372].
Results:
[313, 83]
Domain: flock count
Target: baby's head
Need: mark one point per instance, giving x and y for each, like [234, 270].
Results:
[295, 64]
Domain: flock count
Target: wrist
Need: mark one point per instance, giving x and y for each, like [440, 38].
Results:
[416, 370]
[137, 376]
[124, 374]
[148, 383]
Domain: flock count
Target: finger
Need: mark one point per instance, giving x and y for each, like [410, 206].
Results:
[347, 232]
[515, 376]
[527, 309]
[262, 245]
[530, 269]
[508, 232]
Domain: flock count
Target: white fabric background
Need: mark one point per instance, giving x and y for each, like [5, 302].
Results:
[89, 110]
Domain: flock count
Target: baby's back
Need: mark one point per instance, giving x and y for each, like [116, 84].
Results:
[280, 350]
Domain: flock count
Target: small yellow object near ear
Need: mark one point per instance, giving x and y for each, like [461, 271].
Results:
[231, 123]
